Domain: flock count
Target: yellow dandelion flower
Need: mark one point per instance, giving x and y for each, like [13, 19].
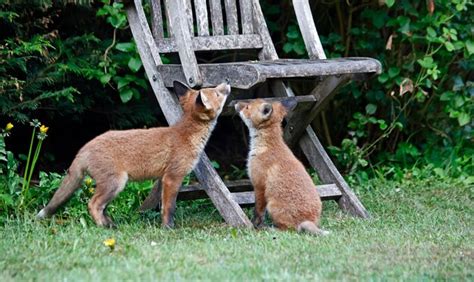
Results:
[110, 243]
[44, 129]
[9, 126]
[91, 190]
[88, 181]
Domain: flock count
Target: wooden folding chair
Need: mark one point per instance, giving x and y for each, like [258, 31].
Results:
[172, 30]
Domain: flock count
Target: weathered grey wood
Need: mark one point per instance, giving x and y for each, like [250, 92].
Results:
[308, 29]
[268, 51]
[304, 103]
[238, 77]
[141, 34]
[244, 198]
[327, 172]
[156, 19]
[327, 88]
[219, 194]
[298, 122]
[326, 192]
[147, 37]
[286, 68]
[216, 17]
[246, 16]
[189, 14]
[201, 17]
[307, 100]
[191, 192]
[216, 190]
[183, 37]
[231, 17]
[219, 42]
[168, 19]
[242, 193]
[244, 75]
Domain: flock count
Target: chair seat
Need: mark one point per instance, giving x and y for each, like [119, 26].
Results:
[244, 75]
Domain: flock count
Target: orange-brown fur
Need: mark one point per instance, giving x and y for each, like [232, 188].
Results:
[281, 183]
[168, 153]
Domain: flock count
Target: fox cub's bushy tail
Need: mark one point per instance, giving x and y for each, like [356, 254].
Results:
[69, 185]
[310, 227]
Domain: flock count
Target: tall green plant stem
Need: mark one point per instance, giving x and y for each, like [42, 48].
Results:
[32, 168]
[27, 166]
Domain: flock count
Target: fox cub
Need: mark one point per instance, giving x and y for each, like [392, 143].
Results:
[168, 153]
[281, 183]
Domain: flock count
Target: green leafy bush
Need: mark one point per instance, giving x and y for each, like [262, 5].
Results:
[420, 108]
[63, 71]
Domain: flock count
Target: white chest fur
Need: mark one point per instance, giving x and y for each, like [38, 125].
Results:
[256, 147]
[198, 143]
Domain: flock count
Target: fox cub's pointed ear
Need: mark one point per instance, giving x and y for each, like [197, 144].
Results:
[289, 104]
[267, 110]
[203, 101]
[180, 89]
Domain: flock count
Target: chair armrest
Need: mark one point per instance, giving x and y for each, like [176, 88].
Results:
[308, 29]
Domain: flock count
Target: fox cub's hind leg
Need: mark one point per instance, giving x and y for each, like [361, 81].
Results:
[106, 191]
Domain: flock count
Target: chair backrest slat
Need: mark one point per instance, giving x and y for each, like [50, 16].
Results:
[231, 17]
[221, 42]
[189, 14]
[202, 20]
[208, 19]
[216, 17]
[246, 16]
[308, 30]
[168, 21]
[156, 19]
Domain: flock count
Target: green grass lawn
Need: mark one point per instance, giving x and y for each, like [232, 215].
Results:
[419, 230]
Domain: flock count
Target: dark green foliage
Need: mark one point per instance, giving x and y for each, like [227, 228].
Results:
[61, 59]
[420, 108]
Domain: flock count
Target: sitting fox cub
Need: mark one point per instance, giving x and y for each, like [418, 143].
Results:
[281, 183]
[169, 153]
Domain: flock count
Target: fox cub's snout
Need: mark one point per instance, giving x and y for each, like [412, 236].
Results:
[259, 113]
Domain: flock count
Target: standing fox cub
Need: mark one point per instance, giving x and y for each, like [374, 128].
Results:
[281, 183]
[169, 153]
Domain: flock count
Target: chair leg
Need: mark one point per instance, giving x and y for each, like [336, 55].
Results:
[328, 173]
[219, 194]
